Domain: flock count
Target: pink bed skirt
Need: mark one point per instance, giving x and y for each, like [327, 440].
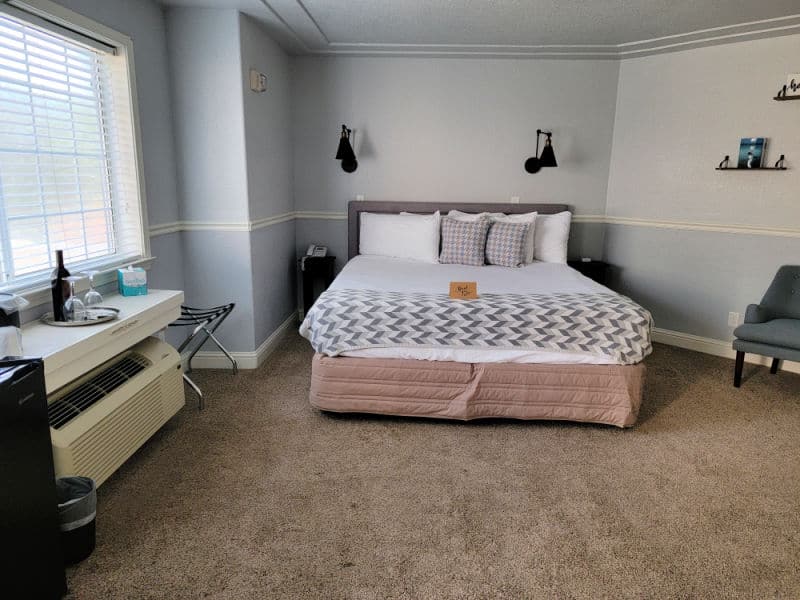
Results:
[609, 394]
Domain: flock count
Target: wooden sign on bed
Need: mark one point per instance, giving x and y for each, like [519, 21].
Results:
[464, 290]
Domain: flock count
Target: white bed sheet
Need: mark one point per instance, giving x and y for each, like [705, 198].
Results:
[400, 275]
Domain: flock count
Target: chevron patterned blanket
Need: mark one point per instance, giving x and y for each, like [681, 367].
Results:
[607, 325]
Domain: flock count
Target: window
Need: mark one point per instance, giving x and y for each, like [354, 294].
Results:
[69, 178]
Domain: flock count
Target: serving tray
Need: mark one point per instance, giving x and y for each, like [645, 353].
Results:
[94, 316]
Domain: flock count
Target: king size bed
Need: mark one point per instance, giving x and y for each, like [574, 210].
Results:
[541, 341]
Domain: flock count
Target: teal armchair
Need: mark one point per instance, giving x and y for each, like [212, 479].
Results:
[772, 327]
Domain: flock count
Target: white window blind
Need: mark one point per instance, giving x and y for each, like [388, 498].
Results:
[68, 172]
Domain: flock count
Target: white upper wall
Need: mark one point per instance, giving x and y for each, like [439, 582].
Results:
[267, 123]
[205, 63]
[454, 130]
[677, 116]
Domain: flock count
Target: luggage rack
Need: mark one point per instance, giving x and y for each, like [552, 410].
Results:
[205, 322]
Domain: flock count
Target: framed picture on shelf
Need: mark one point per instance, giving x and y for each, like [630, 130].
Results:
[752, 153]
[793, 84]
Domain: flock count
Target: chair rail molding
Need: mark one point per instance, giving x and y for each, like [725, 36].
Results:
[247, 226]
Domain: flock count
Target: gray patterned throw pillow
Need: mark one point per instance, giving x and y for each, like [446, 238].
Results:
[505, 244]
[464, 243]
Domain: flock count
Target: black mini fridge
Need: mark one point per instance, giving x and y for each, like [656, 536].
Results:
[31, 565]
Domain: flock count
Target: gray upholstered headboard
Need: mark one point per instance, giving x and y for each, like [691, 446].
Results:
[356, 207]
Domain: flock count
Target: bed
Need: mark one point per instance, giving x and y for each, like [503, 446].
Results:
[541, 342]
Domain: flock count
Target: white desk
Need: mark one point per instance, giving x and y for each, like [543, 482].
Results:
[69, 352]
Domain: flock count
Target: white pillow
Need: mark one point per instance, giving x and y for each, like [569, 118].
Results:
[529, 218]
[551, 237]
[415, 237]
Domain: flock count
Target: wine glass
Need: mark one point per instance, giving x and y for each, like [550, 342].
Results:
[73, 307]
[92, 297]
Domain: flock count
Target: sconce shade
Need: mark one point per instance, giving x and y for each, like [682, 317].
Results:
[345, 152]
[548, 157]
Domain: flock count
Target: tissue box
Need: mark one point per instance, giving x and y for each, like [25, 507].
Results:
[132, 281]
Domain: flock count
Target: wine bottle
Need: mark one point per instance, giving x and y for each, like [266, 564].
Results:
[59, 286]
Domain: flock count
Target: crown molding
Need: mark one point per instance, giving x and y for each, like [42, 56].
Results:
[301, 25]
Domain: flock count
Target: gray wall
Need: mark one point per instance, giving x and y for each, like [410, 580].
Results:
[274, 268]
[209, 129]
[677, 115]
[218, 271]
[267, 120]
[451, 130]
[209, 122]
[234, 165]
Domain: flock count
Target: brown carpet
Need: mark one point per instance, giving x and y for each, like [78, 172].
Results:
[259, 496]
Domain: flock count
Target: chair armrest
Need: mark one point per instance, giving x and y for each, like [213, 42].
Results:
[756, 314]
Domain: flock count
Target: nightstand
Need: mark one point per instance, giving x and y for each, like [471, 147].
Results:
[317, 272]
[595, 269]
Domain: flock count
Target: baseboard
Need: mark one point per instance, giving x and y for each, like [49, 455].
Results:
[245, 360]
[715, 347]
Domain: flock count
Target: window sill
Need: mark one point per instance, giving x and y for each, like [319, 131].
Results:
[40, 295]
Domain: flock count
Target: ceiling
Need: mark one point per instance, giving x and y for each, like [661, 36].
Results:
[547, 28]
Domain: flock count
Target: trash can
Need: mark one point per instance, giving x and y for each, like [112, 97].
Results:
[77, 509]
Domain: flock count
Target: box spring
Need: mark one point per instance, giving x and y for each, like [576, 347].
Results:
[609, 394]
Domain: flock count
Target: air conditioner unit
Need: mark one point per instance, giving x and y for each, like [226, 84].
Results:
[99, 420]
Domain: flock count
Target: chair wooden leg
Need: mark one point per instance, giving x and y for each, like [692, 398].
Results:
[774, 368]
[737, 373]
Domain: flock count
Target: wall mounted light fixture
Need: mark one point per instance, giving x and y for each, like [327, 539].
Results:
[345, 152]
[548, 157]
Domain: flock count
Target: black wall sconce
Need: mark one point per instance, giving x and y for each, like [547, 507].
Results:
[548, 157]
[345, 152]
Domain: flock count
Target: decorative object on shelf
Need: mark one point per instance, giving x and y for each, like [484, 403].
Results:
[790, 91]
[751, 152]
[779, 164]
[725, 162]
[345, 152]
[548, 157]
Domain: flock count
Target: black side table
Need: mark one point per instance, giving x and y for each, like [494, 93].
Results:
[315, 270]
[594, 269]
